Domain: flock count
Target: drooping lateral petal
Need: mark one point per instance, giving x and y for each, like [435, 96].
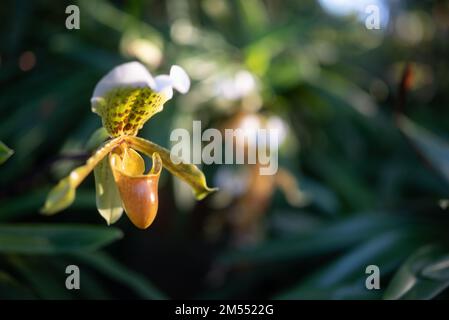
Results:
[139, 193]
[109, 203]
[63, 194]
[189, 173]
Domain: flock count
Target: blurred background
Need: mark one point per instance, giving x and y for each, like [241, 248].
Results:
[364, 161]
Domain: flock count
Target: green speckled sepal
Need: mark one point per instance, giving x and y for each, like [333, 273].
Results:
[125, 110]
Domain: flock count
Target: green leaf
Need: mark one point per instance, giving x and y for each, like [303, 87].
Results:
[254, 15]
[29, 203]
[330, 238]
[5, 152]
[189, 173]
[385, 250]
[54, 239]
[10, 288]
[341, 291]
[433, 148]
[423, 276]
[45, 276]
[41, 276]
[118, 272]
[107, 14]
[109, 203]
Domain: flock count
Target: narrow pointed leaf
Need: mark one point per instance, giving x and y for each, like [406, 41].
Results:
[52, 239]
[433, 148]
[118, 272]
[5, 152]
[423, 276]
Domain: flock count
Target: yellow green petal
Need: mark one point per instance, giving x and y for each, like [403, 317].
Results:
[63, 194]
[189, 173]
[109, 203]
[60, 197]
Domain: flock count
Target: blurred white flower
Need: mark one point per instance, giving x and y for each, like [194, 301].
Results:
[237, 86]
[279, 126]
[252, 123]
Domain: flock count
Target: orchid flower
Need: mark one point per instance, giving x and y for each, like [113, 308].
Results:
[125, 99]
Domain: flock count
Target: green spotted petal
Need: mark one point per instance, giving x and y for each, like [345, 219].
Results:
[189, 173]
[125, 110]
[128, 95]
[109, 203]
